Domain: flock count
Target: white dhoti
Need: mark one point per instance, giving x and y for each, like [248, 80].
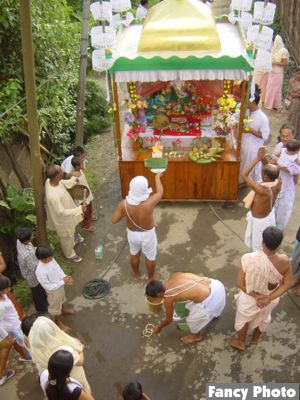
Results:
[255, 228]
[283, 208]
[248, 312]
[145, 241]
[202, 313]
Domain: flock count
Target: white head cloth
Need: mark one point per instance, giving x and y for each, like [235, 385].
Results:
[138, 191]
[45, 337]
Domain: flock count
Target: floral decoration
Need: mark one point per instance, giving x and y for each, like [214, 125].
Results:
[136, 117]
[224, 119]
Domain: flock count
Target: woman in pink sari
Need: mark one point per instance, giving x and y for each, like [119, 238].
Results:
[294, 102]
[280, 58]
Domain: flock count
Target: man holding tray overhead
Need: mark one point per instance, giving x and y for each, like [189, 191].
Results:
[138, 209]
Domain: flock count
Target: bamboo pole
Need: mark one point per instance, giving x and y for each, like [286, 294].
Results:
[117, 118]
[82, 74]
[242, 116]
[33, 128]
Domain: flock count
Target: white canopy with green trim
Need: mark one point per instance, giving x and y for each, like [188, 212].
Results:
[232, 62]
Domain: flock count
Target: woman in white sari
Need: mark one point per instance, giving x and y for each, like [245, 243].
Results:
[45, 338]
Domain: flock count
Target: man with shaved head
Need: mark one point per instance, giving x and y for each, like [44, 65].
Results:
[260, 200]
[62, 213]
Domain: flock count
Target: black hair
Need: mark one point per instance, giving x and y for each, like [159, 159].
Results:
[4, 282]
[256, 99]
[293, 145]
[133, 391]
[288, 126]
[23, 234]
[43, 252]
[154, 288]
[27, 323]
[143, 2]
[52, 171]
[76, 161]
[60, 365]
[272, 237]
[78, 151]
[271, 171]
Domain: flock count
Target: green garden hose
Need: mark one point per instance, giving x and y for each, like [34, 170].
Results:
[96, 289]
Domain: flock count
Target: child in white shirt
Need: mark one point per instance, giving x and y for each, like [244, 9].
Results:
[53, 280]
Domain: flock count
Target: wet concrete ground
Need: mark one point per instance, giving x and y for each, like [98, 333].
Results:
[191, 238]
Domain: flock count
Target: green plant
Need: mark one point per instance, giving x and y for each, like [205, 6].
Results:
[96, 115]
[56, 35]
[22, 293]
[19, 210]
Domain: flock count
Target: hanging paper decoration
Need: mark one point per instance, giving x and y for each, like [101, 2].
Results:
[128, 19]
[116, 21]
[102, 59]
[120, 5]
[261, 40]
[264, 14]
[241, 5]
[246, 20]
[101, 11]
[264, 39]
[103, 39]
[263, 61]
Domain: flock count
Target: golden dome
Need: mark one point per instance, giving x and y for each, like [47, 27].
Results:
[179, 25]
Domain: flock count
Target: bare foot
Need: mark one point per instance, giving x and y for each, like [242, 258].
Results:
[237, 344]
[295, 282]
[68, 311]
[297, 292]
[136, 277]
[188, 339]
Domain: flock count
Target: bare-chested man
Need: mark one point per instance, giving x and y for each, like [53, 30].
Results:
[261, 272]
[205, 300]
[260, 200]
[138, 209]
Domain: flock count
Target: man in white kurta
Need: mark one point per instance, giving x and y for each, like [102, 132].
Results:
[254, 137]
[285, 202]
[62, 213]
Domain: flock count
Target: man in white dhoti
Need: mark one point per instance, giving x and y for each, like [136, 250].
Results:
[260, 200]
[138, 209]
[205, 299]
[263, 277]
[254, 136]
[289, 173]
[62, 213]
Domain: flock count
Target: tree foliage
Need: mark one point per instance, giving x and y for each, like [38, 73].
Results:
[57, 45]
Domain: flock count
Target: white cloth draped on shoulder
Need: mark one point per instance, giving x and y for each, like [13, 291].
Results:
[200, 314]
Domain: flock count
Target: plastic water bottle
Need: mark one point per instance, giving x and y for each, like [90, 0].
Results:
[99, 251]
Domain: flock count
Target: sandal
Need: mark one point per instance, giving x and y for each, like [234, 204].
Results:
[75, 259]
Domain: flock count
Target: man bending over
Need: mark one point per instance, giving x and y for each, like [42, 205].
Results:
[205, 299]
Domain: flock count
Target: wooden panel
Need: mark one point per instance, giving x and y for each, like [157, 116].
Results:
[187, 180]
[289, 11]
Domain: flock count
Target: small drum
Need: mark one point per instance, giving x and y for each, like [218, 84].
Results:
[77, 192]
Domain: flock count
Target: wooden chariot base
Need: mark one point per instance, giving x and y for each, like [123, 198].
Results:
[187, 180]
